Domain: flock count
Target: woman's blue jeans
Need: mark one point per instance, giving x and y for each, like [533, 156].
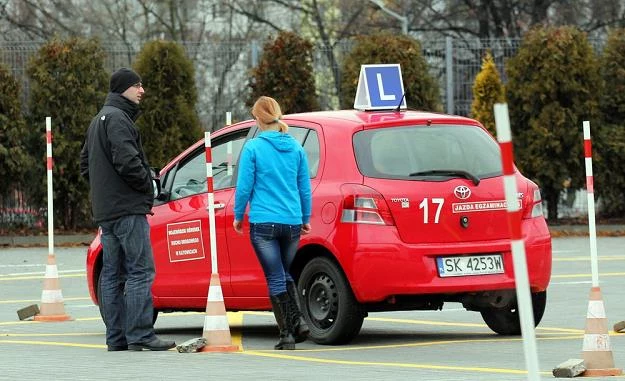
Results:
[275, 245]
[126, 280]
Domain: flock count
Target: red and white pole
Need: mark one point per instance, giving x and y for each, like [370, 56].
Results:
[524, 300]
[590, 187]
[211, 200]
[596, 348]
[216, 326]
[52, 306]
[50, 164]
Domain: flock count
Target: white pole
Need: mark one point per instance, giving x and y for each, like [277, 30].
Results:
[594, 265]
[229, 146]
[50, 193]
[211, 201]
[524, 298]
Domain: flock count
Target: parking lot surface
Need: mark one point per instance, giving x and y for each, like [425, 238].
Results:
[426, 345]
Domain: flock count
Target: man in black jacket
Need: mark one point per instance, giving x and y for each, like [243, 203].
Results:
[113, 161]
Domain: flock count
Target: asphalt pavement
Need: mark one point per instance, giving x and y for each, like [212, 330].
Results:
[452, 344]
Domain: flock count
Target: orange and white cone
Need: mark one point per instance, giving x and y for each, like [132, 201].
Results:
[52, 306]
[597, 352]
[216, 327]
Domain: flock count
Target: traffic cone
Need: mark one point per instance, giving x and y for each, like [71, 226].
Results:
[596, 352]
[216, 328]
[52, 307]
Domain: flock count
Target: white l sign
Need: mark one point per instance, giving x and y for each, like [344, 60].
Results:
[380, 87]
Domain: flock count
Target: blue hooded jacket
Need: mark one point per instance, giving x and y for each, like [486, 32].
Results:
[273, 177]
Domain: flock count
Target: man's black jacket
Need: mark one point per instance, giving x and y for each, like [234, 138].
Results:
[113, 161]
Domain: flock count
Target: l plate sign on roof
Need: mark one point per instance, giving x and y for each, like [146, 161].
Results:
[380, 87]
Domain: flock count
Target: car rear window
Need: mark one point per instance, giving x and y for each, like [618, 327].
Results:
[413, 152]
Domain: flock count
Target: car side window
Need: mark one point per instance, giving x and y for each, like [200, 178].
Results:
[190, 178]
[311, 146]
[225, 155]
[309, 139]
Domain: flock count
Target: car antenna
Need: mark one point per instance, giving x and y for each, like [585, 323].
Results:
[400, 102]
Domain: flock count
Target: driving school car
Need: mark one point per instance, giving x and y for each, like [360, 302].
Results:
[409, 213]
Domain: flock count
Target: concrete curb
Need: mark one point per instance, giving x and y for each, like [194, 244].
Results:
[42, 240]
[583, 230]
[85, 239]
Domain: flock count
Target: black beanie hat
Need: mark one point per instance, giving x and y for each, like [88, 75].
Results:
[122, 79]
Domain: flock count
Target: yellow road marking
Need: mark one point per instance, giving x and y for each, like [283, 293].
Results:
[38, 300]
[427, 322]
[388, 364]
[31, 277]
[587, 258]
[236, 318]
[54, 343]
[52, 334]
[564, 276]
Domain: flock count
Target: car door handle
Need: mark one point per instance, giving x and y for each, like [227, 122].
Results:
[219, 205]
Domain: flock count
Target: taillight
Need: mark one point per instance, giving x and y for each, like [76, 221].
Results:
[535, 206]
[364, 205]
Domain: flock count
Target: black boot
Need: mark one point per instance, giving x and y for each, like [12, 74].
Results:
[300, 328]
[280, 304]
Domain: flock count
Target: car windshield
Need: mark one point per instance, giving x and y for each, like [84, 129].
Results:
[427, 153]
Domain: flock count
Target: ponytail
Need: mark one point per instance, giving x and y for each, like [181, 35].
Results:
[267, 111]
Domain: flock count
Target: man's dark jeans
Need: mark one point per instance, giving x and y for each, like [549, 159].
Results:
[126, 280]
[275, 245]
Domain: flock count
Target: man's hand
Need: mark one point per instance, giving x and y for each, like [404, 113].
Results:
[238, 226]
[305, 228]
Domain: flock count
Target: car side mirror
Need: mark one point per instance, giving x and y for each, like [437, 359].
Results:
[156, 183]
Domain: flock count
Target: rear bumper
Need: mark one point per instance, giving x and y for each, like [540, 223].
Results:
[378, 271]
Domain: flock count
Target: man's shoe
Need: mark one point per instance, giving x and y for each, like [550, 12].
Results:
[154, 345]
[117, 348]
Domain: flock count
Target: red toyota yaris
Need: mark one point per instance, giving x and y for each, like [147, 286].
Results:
[409, 212]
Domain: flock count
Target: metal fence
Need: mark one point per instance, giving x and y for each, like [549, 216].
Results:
[223, 71]
[16, 212]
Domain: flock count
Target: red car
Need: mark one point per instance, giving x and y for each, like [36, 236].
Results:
[408, 213]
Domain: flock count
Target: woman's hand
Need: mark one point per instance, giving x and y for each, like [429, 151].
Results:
[305, 228]
[238, 226]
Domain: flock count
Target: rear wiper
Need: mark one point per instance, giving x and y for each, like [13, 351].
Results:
[449, 172]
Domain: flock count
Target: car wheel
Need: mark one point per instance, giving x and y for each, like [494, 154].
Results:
[333, 314]
[99, 296]
[506, 321]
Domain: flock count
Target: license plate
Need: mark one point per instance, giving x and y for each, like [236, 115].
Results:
[469, 265]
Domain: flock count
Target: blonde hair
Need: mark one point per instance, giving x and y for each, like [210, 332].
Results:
[267, 112]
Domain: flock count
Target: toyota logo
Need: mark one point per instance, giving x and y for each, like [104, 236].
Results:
[462, 192]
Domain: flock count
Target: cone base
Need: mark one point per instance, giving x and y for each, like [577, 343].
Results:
[52, 318]
[220, 348]
[602, 372]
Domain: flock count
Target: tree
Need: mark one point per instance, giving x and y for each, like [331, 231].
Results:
[69, 84]
[129, 21]
[422, 91]
[487, 90]
[609, 136]
[14, 158]
[553, 85]
[169, 122]
[285, 73]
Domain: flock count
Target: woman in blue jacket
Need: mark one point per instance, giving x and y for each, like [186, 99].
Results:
[273, 178]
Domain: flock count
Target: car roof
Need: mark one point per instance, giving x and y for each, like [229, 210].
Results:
[380, 118]
[350, 119]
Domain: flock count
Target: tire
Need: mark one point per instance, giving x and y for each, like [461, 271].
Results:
[99, 296]
[506, 321]
[328, 304]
